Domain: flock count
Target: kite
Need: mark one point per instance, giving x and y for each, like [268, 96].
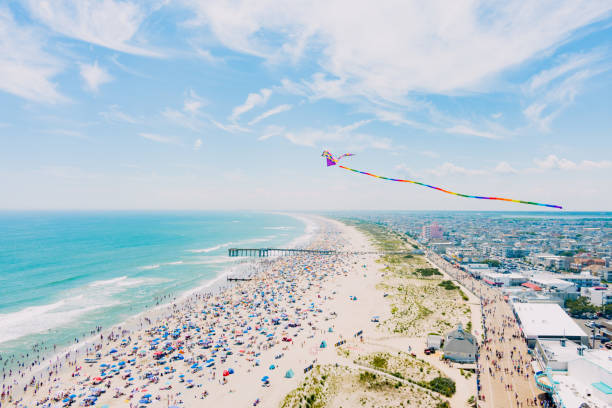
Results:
[331, 161]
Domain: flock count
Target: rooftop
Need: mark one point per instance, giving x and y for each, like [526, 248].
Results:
[546, 320]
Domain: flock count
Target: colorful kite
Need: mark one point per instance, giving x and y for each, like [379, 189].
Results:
[331, 161]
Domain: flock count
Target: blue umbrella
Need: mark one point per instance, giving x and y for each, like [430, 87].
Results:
[265, 378]
[113, 351]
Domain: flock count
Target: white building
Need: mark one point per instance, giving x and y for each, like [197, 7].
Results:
[547, 321]
[503, 279]
[575, 377]
[598, 295]
[551, 281]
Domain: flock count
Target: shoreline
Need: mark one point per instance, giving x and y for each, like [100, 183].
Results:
[213, 286]
[259, 341]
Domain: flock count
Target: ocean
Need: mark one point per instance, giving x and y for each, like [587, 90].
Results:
[64, 273]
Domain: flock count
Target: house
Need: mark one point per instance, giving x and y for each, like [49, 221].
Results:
[460, 346]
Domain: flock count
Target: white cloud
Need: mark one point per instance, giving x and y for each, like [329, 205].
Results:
[273, 111]
[450, 169]
[94, 76]
[114, 114]
[156, 138]
[497, 115]
[430, 154]
[554, 162]
[402, 168]
[109, 23]
[339, 134]
[556, 88]
[197, 144]
[26, 69]
[206, 55]
[252, 100]
[505, 168]
[408, 46]
[467, 130]
[271, 131]
[571, 64]
[193, 102]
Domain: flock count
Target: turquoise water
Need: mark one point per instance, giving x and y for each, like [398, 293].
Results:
[62, 274]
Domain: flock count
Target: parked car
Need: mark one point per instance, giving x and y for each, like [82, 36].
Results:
[430, 350]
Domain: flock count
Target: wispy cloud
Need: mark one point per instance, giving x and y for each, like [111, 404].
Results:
[554, 162]
[271, 131]
[197, 144]
[193, 102]
[252, 100]
[430, 154]
[267, 114]
[157, 138]
[451, 49]
[553, 90]
[505, 168]
[336, 134]
[94, 76]
[111, 24]
[26, 69]
[114, 114]
[448, 168]
[468, 130]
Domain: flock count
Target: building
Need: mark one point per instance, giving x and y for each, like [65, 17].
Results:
[547, 321]
[460, 346]
[598, 295]
[503, 279]
[550, 260]
[581, 280]
[573, 375]
[513, 252]
[551, 282]
[432, 231]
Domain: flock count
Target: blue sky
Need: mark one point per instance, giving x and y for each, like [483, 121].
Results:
[182, 104]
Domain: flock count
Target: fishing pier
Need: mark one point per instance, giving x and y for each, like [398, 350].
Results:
[267, 252]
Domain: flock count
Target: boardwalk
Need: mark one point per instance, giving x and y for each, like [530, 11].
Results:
[505, 373]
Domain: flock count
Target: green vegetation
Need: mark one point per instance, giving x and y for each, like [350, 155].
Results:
[448, 285]
[427, 271]
[443, 404]
[379, 362]
[580, 306]
[492, 262]
[443, 385]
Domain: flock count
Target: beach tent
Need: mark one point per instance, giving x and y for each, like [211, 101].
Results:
[289, 373]
[323, 344]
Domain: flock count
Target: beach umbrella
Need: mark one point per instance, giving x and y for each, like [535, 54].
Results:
[272, 367]
[289, 373]
[231, 371]
[226, 373]
[113, 351]
[265, 378]
[147, 396]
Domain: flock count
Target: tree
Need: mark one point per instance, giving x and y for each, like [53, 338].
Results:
[580, 306]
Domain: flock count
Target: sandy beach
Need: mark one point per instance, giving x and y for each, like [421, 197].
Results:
[258, 342]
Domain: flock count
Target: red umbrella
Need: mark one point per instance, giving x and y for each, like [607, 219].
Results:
[225, 373]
